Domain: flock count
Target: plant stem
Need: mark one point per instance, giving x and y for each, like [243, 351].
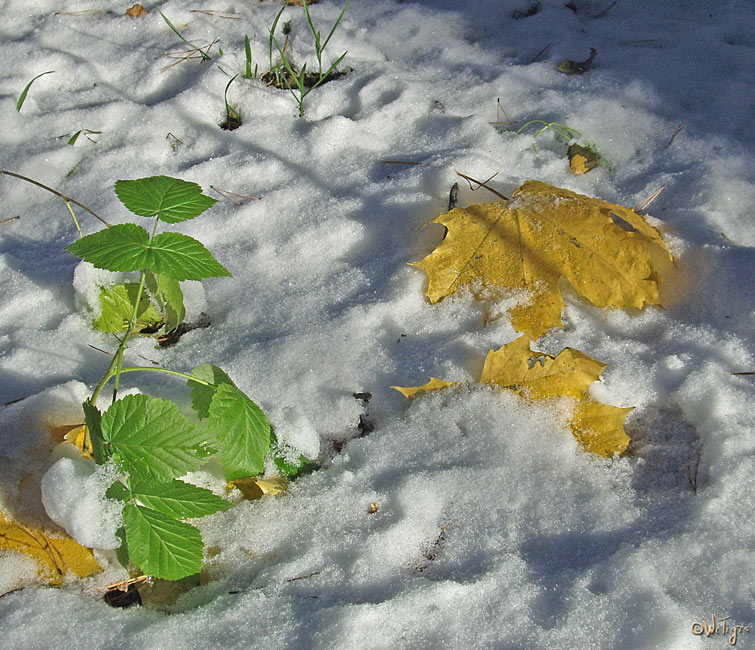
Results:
[167, 371]
[65, 198]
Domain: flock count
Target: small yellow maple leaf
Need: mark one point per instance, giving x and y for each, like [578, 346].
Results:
[433, 384]
[599, 428]
[55, 555]
[609, 254]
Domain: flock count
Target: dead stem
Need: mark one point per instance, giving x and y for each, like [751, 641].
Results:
[480, 184]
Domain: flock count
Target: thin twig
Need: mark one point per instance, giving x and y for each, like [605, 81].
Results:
[541, 53]
[217, 12]
[692, 478]
[678, 129]
[56, 193]
[743, 373]
[644, 204]
[84, 12]
[471, 180]
[400, 162]
[2, 223]
[242, 196]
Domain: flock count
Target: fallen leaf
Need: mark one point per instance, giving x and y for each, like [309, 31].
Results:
[75, 434]
[608, 253]
[599, 428]
[582, 159]
[253, 488]
[433, 384]
[56, 555]
[136, 10]
[567, 66]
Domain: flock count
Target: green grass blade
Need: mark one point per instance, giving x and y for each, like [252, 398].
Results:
[25, 91]
[204, 55]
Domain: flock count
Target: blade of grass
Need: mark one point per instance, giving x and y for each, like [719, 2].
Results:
[25, 91]
[205, 56]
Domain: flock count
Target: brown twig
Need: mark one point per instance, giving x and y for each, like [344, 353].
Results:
[68, 199]
[243, 196]
[2, 223]
[217, 12]
[644, 204]
[471, 180]
[678, 129]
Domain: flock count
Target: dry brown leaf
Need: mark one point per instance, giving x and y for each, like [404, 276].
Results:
[609, 254]
[599, 428]
[56, 555]
[136, 10]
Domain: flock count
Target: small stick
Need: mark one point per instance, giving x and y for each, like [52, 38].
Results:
[2, 223]
[471, 180]
[743, 373]
[541, 53]
[644, 204]
[678, 129]
[217, 12]
[243, 196]
[65, 198]
[400, 162]
[452, 196]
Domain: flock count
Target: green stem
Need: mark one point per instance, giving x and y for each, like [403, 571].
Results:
[167, 372]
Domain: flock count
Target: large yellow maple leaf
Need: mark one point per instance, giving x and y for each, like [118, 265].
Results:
[599, 428]
[609, 254]
[56, 555]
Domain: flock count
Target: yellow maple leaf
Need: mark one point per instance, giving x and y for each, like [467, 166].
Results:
[599, 428]
[55, 555]
[433, 384]
[609, 254]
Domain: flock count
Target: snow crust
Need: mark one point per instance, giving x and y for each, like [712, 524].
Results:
[492, 528]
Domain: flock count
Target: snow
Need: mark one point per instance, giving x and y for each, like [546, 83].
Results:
[493, 528]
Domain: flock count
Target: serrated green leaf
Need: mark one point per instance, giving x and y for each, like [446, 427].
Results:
[118, 491]
[178, 499]
[183, 258]
[201, 394]
[167, 292]
[161, 546]
[117, 307]
[118, 248]
[242, 431]
[170, 199]
[149, 438]
[121, 553]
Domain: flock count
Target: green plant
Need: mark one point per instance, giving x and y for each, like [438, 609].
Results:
[25, 91]
[149, 440]
[562, 132]
[86, 132]
[232, 115]
[304, 83]
[248, 74]
[195, 48]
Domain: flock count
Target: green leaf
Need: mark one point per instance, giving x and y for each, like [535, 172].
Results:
[170, 199]
[242, 431]
[121, 553]
[117, 307]
[126, 247]
[201, 394]
[161, 546]
[179, 500]
[118, 492]
[170, 298]
[150, 439]
[183, 258]
[300, 467]
[93, 419]
[119, 248]
[25, 91]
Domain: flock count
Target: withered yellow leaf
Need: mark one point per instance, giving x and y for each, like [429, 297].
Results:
[253, 488]
[55, 555]
[76, 434]
[433, 384]
[599, 428]
[539, 376]
[608, 253]
[136, 10]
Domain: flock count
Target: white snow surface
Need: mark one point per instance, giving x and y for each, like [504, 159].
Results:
[493, 528]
